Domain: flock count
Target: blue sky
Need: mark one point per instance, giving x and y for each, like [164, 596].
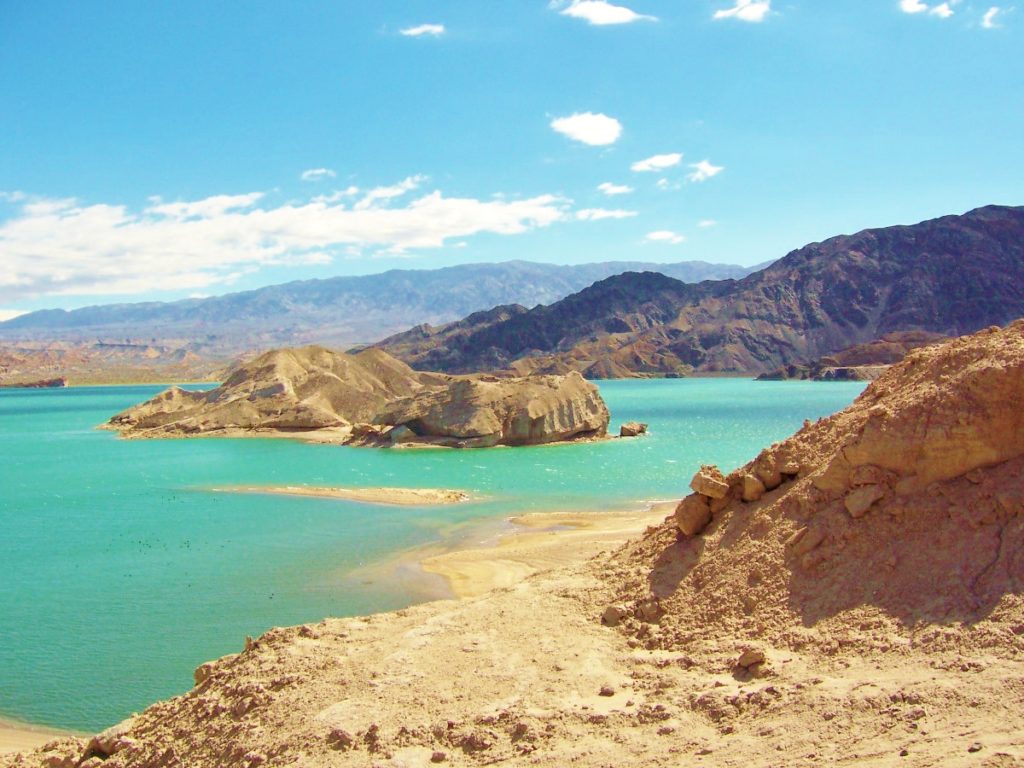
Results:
[161, 150]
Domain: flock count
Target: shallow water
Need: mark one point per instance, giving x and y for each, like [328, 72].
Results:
[119, 573]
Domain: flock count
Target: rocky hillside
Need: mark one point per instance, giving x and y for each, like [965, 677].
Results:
[854, 595]
[370, 398]
[339, 311]
[861, 362]
[948, 276]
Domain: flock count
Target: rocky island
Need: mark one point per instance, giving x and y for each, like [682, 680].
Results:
[370, 398]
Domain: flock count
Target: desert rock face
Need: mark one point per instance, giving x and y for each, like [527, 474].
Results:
[370, 398]
[484, 411]
[863, 605]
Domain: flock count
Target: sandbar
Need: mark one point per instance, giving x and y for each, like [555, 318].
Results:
[21, 737]
[540, 541]
[416, 497]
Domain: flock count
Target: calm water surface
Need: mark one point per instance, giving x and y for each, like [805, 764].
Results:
[120, 572]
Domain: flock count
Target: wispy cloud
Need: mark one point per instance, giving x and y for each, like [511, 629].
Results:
[318, 174]
[746, 10]
[657, 162]
[614, 189]
[665, 236]
[429, 30]
[591, 128]
[601, 13]
[988, 21]
[63, 247]
[703, 171]
[597, 214]
[942, 10]
[378, 194]
[705, 223]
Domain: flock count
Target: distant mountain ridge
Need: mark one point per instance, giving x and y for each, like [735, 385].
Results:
[340, 311]
[952, 275]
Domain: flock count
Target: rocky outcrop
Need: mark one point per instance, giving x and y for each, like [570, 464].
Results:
[484, 411]
[370, 398]
[948, 276]
[56, 383]
[905, 509]
[633, 429]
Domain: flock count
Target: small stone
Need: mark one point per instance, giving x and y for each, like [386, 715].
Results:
[632, 429]
[791, 468]
[613, 614]
[339, 738]
[607, 690]
[753, 488]
[975, 747]
[904, 752]
[710, 482]
[750, 658]
[438, 757]
[693, 514]
[859, 501]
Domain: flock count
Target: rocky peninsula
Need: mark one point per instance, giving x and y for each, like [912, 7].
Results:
[854, 594]
[370, 398]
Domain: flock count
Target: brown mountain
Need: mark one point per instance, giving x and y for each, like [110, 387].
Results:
[951, 276]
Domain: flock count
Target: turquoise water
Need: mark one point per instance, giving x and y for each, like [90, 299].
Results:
[119, 572]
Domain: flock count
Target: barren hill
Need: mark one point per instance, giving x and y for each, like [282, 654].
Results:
[370, 398]
[952, 275]
[856, 596]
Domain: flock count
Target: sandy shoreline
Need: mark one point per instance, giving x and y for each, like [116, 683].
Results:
[398, 496]
[539, 541]
[20, 737]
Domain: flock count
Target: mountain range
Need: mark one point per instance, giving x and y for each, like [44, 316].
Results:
[951, 275]
[339, 311]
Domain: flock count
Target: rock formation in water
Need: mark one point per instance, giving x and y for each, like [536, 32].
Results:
[948, 276]
[370, 398]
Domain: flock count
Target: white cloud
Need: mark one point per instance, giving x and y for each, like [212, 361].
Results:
[746, 10]
[614, 189]
[657, 162]
[13, 196]
[601, 13]
[337, 195]
[64, 247]
[591, 128]
[942, 10]
[665, 236]
[389, 193]
[432, 30]
[318, 174]
[705, 223]
[665, 185]
[596, 214]
[704, 170]
[988, 21]
[10, 314]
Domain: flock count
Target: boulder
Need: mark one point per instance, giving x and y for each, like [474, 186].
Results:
[709, 481]
[753, 488]
[693, 514]
[859, 500]
[632, 429]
